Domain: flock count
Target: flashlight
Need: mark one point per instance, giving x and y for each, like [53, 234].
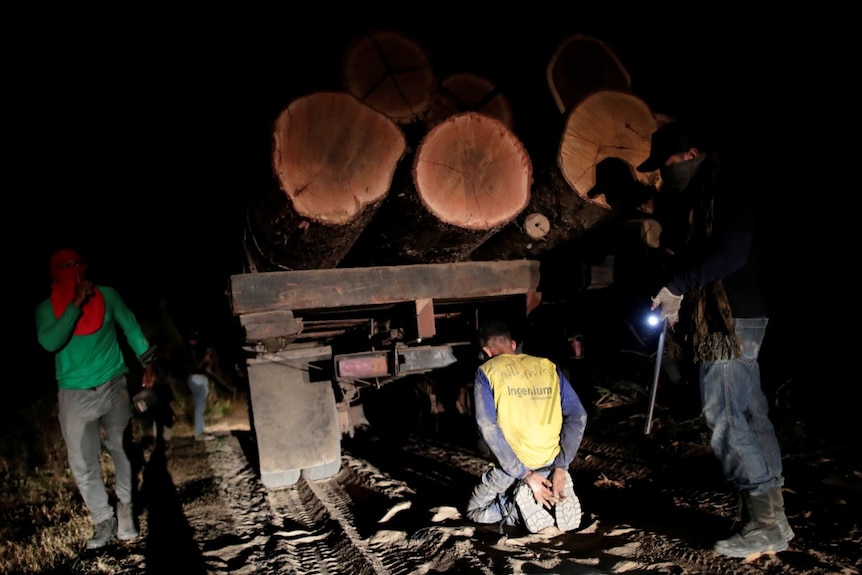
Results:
[656, 373]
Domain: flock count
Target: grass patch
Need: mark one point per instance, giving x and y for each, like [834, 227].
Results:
[44, 524]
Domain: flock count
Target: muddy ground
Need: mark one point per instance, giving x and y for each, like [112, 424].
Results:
[652, 504]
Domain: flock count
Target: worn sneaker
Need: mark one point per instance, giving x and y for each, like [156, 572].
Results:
[204, 437]
[106, 531]
[126, 529]
[568, 511]
[534, 515]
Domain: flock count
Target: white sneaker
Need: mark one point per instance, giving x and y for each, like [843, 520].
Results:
[535, 516]
[568, 511]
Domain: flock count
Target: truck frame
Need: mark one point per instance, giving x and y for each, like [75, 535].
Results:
[317, 338]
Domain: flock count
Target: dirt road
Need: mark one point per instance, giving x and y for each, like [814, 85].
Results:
[652, 505]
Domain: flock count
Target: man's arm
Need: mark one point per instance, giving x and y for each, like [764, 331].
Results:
[54, 332]
[574, 423]
[126, 320]
[730, 255]
[486, 419]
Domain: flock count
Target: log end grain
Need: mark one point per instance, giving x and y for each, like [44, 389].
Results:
[334, 156]
[473, 172]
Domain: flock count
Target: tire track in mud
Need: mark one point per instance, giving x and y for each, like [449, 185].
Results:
[650, 508]
[394, 510]
[347, 524]
[244, 543]
[304, 529]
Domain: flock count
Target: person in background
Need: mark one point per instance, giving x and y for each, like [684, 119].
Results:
[712, 283]
[79, 323]
[198, 363]
[533, 422]
[158, 379]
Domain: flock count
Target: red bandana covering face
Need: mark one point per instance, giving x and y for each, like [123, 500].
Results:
[67, 269]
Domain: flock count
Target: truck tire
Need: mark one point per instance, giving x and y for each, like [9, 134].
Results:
[295, 418]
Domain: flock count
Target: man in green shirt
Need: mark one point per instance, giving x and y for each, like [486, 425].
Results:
[79, 323]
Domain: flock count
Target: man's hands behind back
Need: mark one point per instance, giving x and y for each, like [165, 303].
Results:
[543, 489]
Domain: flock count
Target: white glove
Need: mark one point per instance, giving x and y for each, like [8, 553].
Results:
[669, 304]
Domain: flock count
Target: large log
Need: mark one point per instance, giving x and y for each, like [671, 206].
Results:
[580, 65]
[470, 177]
[468, 92]
[391, 73]
[554, 217]
[605, 135]
[605, 124]
[333, 158]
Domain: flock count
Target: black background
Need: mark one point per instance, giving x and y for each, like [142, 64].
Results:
[135, 135]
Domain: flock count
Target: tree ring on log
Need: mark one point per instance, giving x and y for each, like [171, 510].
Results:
[537, 225]
[334, 156]
[471, 171]
[580, 65]
[467, 92]
[391, 73]
[605, 124]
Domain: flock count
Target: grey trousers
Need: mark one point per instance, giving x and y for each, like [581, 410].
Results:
[83, 414]
[491, 499]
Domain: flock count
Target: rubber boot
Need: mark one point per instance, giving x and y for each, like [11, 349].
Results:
[777, 499]
[761, 534]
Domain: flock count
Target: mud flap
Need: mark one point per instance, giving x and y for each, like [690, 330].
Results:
[295, 418]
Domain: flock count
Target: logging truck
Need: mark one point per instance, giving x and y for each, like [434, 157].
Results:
[375, 251]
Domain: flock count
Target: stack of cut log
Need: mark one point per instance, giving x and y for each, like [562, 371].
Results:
[401, 167]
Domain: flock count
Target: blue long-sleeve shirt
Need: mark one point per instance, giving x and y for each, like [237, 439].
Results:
[528, 413]
[728, 255]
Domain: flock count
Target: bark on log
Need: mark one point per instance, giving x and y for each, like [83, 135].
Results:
[581, 65]
[470, 177]
[333, 159]
[467, 92]
[554, 217]
[391, 73]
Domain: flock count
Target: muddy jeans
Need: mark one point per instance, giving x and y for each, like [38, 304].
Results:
[737, 413]
[199, 385]
[83, 412]
[493, 497]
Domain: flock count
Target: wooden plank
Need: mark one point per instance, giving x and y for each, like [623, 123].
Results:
[348, 287]
[272, 324]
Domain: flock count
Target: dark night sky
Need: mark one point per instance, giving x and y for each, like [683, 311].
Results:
[136, 135]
